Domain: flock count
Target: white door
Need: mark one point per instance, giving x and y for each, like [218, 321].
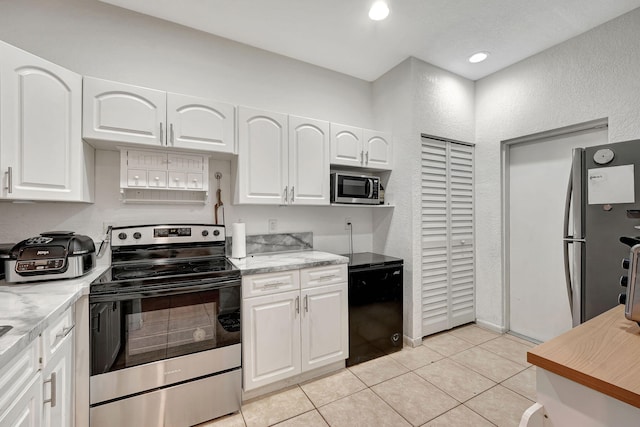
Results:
[271, 338]
[119, 112]
[538, 173]
[262, 157]
[448, 256]
[41, 152]
[378, 152]
[200, 124]
[308, 161]
[324, 326]
[26, 410]
[346, 145]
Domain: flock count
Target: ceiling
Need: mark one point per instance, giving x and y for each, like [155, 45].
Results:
[338, 35]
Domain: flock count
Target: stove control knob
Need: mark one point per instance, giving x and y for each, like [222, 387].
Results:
[122, 236]
[622, 298]
[205, 233]
[624, 280]
[625, 263]
[216, 232]
[137, 235]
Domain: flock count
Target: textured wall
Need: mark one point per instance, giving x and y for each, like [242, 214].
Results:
[97, 39]
[592, 76]
[414, 98]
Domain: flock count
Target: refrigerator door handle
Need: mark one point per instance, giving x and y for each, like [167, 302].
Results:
[574, 196]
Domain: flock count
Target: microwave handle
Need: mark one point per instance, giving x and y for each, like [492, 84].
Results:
[370, 181]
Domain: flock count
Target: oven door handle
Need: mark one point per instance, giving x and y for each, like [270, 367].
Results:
[161, 291]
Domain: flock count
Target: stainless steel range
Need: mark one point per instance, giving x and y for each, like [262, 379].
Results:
[165, 329]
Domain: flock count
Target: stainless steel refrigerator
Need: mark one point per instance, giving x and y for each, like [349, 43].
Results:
[603, 204]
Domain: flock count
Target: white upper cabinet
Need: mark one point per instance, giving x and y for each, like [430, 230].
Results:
[308, 161]
[352, 146]
[41, 150]
[262, 176]
[377, 149]
[200, 124]
[282, 160]
[123, 113]
[126, 114]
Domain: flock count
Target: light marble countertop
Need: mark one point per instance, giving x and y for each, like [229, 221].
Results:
[271, 262]
[31, 307]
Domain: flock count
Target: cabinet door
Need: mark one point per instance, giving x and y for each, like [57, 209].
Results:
[346, 145]
[26, 410]
[378, 153]
[41, 150]
[118, 112]
[262, 176]
[270, 338]
[324, 326]
[308, 161]
[58, 386]
[200, 124]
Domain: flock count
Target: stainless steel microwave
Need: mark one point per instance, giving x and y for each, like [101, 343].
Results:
[355, 189]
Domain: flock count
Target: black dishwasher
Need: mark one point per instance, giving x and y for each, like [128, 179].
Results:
[375, 306]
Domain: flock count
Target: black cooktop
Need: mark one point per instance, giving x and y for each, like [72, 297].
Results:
[370, 259]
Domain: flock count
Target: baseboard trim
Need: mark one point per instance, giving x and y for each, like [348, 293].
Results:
[411, 342]
[491, 326]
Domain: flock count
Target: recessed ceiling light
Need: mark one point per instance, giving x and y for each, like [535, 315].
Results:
[379, 10]
[478, 57]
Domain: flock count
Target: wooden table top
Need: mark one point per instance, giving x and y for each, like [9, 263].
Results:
[602, 354]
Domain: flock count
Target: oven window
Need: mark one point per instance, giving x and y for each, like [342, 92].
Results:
[143, 330]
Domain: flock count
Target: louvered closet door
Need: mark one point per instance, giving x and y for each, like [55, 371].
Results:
[447, 235]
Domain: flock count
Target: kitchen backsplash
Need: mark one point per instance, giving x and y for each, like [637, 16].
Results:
[284, 242]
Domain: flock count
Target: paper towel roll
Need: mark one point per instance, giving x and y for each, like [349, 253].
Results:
[239, 241]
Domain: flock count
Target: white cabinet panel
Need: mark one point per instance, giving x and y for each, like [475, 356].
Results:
[58, 386]
[26, 409]
[41, 150]
[123, 113]
[346, 145]
[271, 338]
[308, 161]
[262, 175]
[324, 325]
[200, 124]
[378, 150]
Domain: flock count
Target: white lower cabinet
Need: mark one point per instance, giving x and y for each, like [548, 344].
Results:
[287, 332]
[36, 387]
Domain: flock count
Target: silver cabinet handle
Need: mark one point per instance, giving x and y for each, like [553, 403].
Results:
[171, 133]
[65, 331]
[53, 382]
[286, 194]
[9, 186]
[330, 276]
[161, 133]
[362, 157]
[306, 303]
[367, 157]
[293, 194]
[273, 284]
[298, 304]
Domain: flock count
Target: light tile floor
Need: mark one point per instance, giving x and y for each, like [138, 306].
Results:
[465, 377]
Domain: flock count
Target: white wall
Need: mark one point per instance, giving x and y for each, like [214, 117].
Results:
[414, 98]
[592, 76]
[97, 39]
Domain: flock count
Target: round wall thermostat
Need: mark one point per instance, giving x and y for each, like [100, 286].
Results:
[603, 156]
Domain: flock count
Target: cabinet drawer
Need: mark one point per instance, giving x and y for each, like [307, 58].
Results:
[194, 180]
[177, 180]
[54, 334]
[17, 373]
[157, 179]
[325, 275]
[136, 178]
[270, 283]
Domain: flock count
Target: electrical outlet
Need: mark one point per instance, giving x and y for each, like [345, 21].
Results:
[347, 223]
[273, 225]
